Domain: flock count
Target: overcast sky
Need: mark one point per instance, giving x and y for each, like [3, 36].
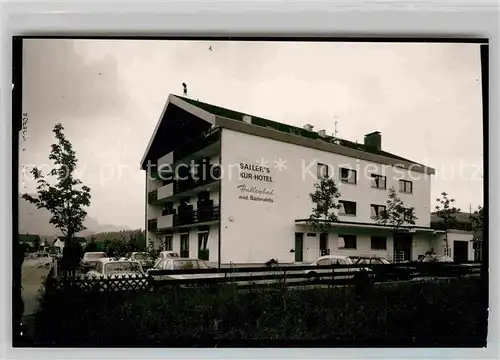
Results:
[424, 98]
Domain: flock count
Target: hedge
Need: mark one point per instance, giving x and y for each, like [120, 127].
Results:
[445, 313]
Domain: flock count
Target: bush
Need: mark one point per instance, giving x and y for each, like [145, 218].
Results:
[412, 313]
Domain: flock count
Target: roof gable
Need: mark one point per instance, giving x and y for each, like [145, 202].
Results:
[177, 116]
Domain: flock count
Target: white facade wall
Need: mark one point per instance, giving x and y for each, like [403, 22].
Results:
[454, 235]
[212, 244]
[255, 231]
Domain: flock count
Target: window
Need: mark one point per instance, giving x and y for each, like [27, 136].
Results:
[347, 176]
[347, 207]
[378, 181]
[324, 262]
[184, 245]
[408, 214]
[323, 171]
[379, 243]
[323, 241]
[341, 261]
[347, 241]
[168, 243]
[168, 209]
[405, 186]
[376, 210]
[203, 241]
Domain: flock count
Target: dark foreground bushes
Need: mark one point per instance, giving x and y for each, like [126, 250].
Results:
[445, 313]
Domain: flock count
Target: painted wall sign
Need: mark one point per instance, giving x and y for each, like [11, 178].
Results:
[255, 172]
[254, 193]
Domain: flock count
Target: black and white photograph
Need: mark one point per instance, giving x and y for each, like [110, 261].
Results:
[252, 192]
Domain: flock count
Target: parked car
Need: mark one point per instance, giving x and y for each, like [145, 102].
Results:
[343, 273]
[143, 258]
[112, 269]
[179, 264]
[90, 260]
[383, 269]
[442, 265]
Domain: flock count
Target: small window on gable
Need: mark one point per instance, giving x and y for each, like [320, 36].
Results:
[323, 171]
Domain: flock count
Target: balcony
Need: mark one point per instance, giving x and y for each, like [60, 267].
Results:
[152, 225]
[165, 191]
[208, 174]
[206, 214]
[202, 145]
[166, 159]
[153, 197]
[165, 221]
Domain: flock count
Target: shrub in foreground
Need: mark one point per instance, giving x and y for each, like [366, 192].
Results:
[441, 313]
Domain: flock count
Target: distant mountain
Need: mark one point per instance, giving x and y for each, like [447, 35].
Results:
[36, 221]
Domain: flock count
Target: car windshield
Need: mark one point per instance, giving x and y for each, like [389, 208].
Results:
[94, 255]
[385, 261]
[140, 256]
[121, 266]
[346, 261]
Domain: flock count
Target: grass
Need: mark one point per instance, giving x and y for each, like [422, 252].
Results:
[410, 313]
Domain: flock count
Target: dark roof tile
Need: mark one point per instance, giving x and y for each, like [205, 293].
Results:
[236, 115]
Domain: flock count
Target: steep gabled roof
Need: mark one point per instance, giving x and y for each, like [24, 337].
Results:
[194, 119]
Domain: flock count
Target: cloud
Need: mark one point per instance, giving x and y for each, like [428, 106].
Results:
[58, 82]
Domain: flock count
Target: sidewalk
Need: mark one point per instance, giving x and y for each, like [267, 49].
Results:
[33, 277]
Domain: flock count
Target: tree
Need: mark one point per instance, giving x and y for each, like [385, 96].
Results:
[36, 244]
[325, 200]
[92, 246]
[477, 222]
[396, 215]
[447, 213]
[153, 250]
[118, 247]
[67, 198]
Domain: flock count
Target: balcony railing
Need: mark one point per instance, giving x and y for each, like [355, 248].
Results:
[152, 196]
[165, 222]
[200, 215]
[208, 175]
[198, 143]
[152, 225]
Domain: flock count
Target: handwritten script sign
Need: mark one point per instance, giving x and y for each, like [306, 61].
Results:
[256, 194]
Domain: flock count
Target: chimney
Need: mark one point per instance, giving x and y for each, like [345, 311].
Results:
[322, 133]
[247, 119]
[308, 127]
[373, 141]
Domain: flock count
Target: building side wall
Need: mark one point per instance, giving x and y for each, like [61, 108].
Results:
[254, 230]
[454, 235]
